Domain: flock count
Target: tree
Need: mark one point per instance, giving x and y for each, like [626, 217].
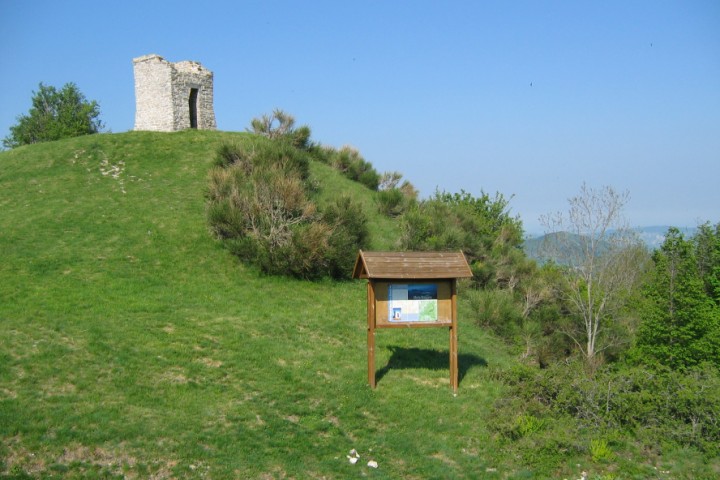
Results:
[707, 246]
[680, 321]
[601, 260]
[55, 114]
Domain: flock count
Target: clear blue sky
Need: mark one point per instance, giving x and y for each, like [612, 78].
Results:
[526, 98]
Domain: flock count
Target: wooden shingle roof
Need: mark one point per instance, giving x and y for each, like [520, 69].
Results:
[411, 265]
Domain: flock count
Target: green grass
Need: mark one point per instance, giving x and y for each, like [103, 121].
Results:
[133, 345]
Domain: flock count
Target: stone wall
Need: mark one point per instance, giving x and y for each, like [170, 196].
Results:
[172, 96]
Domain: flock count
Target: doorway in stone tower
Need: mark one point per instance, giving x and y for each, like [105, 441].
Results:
[193, 107]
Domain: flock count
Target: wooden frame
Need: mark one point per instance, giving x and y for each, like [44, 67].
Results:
[433, 274]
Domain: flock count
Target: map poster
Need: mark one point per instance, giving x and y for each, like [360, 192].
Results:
[412, 302]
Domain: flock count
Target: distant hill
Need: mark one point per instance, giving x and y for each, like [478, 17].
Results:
[652, 237]
[533, 246]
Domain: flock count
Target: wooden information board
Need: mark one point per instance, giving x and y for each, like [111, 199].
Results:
[412, 290]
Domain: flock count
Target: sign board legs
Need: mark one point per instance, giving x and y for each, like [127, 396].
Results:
[371, 335]
[453, 359]
[453, 341]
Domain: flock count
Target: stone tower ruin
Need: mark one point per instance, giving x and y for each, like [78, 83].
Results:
[172, 96]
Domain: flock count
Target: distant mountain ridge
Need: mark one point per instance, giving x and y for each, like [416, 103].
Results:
[652, 236]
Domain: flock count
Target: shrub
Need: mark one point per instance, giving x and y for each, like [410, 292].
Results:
[352, 165]
[281, 126]
[307, 255]
[527, 424]
[460, 221]
[496, 309]
[656, 405]
[391, 202]
[350, 233]
[258, 204]
[600, 451]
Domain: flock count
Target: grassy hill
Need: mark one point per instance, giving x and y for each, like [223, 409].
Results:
[132, 345]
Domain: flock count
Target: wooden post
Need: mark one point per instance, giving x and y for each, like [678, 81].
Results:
[453, 340]
[371, 333]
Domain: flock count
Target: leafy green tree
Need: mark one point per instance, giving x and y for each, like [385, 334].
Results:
[680, 324]
[55, 114]
[707, 246]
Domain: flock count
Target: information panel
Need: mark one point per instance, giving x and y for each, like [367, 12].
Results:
[413, 302]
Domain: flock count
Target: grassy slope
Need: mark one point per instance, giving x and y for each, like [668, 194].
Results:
[132, 344]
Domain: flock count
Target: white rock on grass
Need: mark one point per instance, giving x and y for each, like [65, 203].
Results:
[353, 457]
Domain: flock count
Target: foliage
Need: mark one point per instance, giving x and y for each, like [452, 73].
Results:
[55, 114]
[130, 346]
[349, 233]
[259, 205]
[481, 227]
[496, 309]
[602, 260]
[599, 450]
[707, 248]
[680, 321]
[392, 200]
[657, 405]
[510, 294]
[351, 164]
[389, 180]
[281, 126]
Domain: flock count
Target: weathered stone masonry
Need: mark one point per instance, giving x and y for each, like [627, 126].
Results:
[172, 96]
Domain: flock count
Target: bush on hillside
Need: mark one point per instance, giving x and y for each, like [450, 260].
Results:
[392, 200]
[349, 233]
[262, 155]
[281, 126]
[480, 227]
[259, 205]
[349, 163]
[658, 406]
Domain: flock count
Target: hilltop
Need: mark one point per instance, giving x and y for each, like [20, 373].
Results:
[134, 345]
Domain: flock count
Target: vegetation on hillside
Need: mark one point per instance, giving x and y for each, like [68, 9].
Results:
[55, 114]
[260, 205]
[131, 346]
[599, 312]
[602, 261]
[680, 317]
